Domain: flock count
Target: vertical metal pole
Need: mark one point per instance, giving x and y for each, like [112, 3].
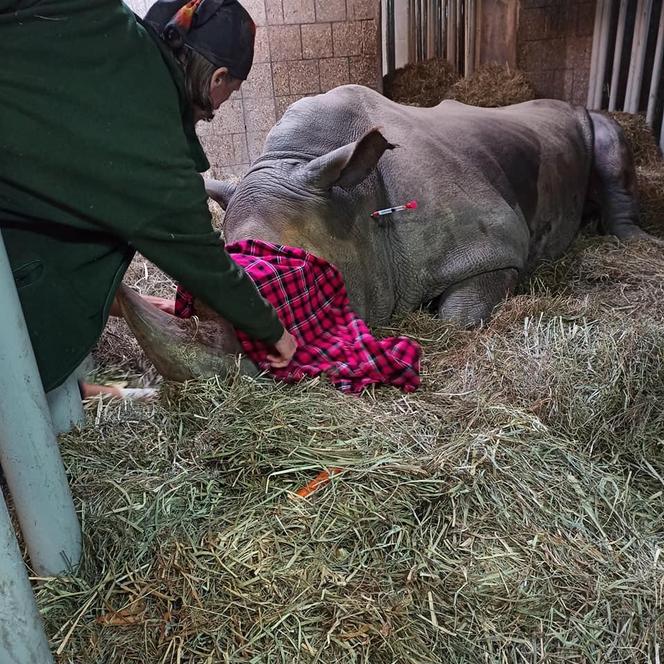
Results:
[461, 35]
[420, 30]
[66, 406]
[452, 34]
[617, 55]
[22, 637]
[445, 10]
[412, 32]
[442, 25]
[605, 27]
[594, 58]
[416, 29]
[29, 452]
[638, 56]
[632, 55]
[657, 70]
[391, 37]
[469, 38]
[431, 28]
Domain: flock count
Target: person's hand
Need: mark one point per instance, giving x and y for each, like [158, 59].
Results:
[285, 349]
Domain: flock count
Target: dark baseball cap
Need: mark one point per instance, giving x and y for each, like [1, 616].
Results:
[222, 31]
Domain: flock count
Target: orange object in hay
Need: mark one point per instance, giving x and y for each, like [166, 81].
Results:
[320, 480]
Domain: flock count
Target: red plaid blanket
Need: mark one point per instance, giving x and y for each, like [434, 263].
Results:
[310, 297]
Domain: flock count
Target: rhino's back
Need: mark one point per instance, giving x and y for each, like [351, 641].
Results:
[315, 125]
[496, 187]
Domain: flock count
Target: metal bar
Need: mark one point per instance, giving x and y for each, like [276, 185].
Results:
[391, 37]
[425, 27]
[440, 24]
[412, 32]
[431, 29]
[594, 58]
[418, 22]
[469, 38]
[66, 406]
[477, 33]
[639, 44]
[617, 55]
[420, 34]
[657, 70]
[443, 28]
[452, 34]
[460, 13]
[605, 28]
[22, 637]
[29, 452]
[632, 55]
[435, 27]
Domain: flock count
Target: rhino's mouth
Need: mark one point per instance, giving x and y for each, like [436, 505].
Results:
[183, 349]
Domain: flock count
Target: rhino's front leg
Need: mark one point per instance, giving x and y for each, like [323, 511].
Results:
[472, 301]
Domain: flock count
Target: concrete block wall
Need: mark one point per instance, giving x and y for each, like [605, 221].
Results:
[303, 47]
[554, 45]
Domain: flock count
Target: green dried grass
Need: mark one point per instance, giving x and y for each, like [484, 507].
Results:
[510, 510]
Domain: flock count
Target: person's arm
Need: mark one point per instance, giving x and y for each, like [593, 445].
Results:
[201, 264]
[198, 260]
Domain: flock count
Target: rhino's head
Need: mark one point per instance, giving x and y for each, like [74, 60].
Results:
[314, 203]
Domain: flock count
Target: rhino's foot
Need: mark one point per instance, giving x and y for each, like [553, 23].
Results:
[472, 301]
[633, 233]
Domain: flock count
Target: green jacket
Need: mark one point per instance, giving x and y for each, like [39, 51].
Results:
[98, 159]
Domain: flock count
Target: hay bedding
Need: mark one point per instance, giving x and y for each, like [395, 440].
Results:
[511, 510]
[421, 84]
[427, 83]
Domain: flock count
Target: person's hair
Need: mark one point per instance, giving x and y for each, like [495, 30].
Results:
[198, 72]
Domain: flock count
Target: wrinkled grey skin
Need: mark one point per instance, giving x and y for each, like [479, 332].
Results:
[499, 190]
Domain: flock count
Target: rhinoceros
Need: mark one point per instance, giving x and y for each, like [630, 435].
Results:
[499, 190]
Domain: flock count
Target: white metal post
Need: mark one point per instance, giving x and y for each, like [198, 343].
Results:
[66, 406]
[657, 71]
[603, 46]
[431, 29]
[29, 452]
[639, 42]
[594, 58]
[452, 57]
[617, 55]
[469, 38]
[22, 637]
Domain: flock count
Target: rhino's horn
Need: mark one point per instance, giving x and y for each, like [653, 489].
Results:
[182, 349]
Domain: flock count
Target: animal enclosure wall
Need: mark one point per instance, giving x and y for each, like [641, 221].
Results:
[554, 44]
[626, 64]
[303, 47]
[551, 40]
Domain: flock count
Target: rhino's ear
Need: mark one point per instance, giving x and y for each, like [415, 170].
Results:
[220, 191]
[348, 165]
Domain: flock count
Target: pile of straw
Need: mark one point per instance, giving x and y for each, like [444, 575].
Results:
[420, 84]
[492, 85]
[641, 138]
[511, 510]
